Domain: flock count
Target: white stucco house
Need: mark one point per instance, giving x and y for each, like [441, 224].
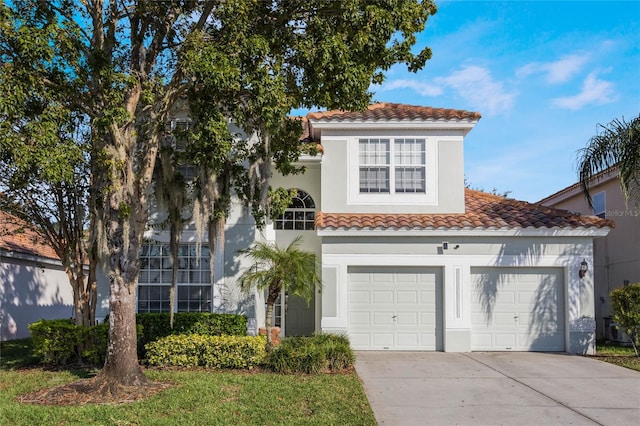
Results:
[410, 259]
[33, 283]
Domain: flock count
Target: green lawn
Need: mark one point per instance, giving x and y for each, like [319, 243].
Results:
[623, 356]
[199, 398]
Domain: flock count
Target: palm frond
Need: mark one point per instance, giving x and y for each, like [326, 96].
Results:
[615, 144]
[287, 268]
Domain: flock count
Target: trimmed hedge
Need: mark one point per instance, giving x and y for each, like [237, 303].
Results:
[315, 354]
[156, 325]
[196, 350]
[60, 342]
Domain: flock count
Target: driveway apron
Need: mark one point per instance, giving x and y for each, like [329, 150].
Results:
[497, 388]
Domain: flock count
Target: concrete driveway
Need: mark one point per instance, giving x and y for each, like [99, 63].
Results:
[497, 388]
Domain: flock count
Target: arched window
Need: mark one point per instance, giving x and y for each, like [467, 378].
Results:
[300, 215]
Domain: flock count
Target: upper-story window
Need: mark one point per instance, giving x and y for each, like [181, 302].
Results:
[299, 215]
[392, 166]
[599, 204]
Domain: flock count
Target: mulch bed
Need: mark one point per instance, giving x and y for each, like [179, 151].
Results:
[90, 391]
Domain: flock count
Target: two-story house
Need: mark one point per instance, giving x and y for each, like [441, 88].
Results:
[616, 256]
[410, 259]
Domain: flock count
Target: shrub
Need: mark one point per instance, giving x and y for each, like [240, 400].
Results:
[56, 342]
[625, 302]
[321, 352]
[60, 342]
[94, 344]
[156, 325]
[197, 350]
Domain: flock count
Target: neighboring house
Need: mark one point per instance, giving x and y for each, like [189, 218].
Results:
[616, 256]
[33, 284]
[410, 260]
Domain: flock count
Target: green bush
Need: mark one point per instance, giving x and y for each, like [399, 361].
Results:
[94, 344]
[321, 352]
[156, 325]
[197, 350]
[60, 342]
[56, 342]
[625, 302]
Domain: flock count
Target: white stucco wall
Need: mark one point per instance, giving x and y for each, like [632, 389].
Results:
[465, 252]
[31, 289]
[445, 174]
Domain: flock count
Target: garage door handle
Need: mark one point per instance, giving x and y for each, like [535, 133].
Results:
[394, 317]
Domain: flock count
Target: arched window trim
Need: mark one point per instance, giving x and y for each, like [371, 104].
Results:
[300, 215]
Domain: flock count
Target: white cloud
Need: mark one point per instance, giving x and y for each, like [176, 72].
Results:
[476, 85]
[424, 89]
[558, 71]
[594, 91]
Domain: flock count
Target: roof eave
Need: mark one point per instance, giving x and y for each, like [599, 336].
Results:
[591, 232]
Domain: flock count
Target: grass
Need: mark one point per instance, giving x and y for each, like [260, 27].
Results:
[199, 397]
[623, 356]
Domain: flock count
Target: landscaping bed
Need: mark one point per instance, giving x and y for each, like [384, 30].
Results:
[184, 396]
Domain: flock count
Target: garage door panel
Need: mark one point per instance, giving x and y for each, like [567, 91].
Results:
[407, 297]
[382, 297]
[406, 340]
[427, 320]
[407, 278]
[382, 318]
[517, 309]
[382, 277]
[407, 319]
[359, 297]
[403, 310]
[504, 319]
[360, 339]
[383, 339]
[360, 318]
[506, 340]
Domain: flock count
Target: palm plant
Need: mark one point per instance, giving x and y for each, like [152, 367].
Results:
[275, 269]
[615, 144]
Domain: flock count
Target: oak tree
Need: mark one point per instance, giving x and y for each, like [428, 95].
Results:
[124, 65]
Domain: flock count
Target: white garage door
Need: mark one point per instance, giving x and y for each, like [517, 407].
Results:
[395, 308]
[519, 309]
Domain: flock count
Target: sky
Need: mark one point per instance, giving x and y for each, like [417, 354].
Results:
[543, 74]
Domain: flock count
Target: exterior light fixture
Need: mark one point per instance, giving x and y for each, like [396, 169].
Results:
[584, 266]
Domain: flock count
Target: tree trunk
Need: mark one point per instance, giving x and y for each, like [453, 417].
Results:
[268, 320]
[175, 230]
[122, 216]
[121, 366]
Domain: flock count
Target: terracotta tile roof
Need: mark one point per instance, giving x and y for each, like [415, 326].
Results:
[483, 211]
[391, 111]
[16, 236]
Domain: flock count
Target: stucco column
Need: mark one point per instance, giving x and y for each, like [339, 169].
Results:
[580, 306]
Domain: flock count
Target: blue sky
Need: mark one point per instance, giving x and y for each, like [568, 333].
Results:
[542, 74]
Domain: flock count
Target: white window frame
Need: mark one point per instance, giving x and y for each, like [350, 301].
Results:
[428, 197]
[155, 271]
[300, 218]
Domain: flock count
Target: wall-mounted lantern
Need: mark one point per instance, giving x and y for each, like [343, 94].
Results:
[584, 266]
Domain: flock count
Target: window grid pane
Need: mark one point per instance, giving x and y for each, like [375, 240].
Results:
[409, 168]
[154, 282]
[300, 215]
[374, 156]
[374, 179]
